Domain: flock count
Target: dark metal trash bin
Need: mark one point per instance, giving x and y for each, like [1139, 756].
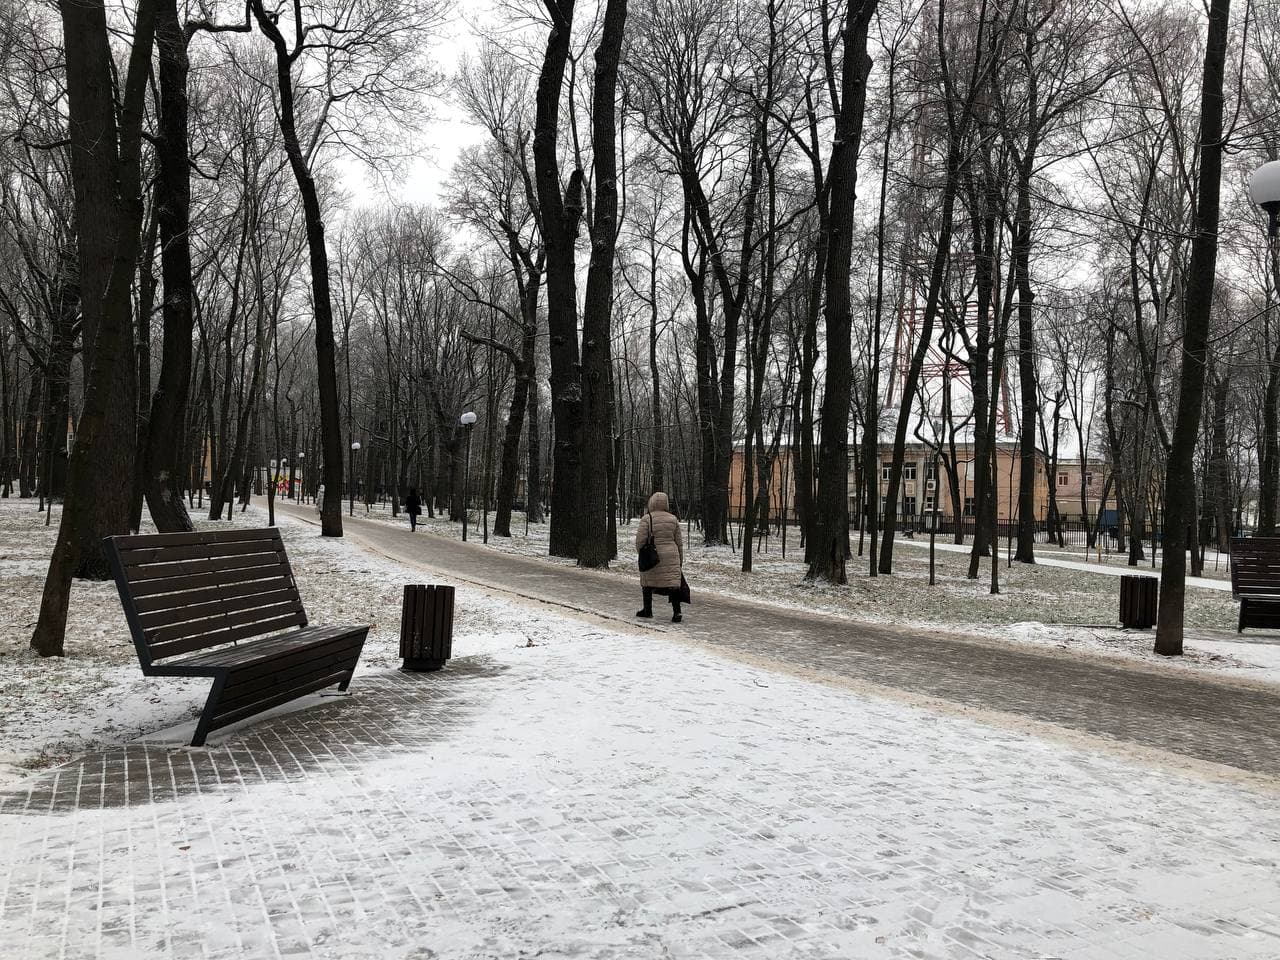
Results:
[426, 626]
[1138, 601]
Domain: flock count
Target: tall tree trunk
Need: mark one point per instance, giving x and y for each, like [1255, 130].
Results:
[105, 167]
[142, 357]
[509, 461]
[1027, 375]
[28, 454]
[1269, 448]
[912, 378]
[533, 472]
[1220, 469]
[560, 215]
[658, 473]
[595, 437]
[322, 304]
[164, 464]
[6, 416]
[1179, 498]
[61, 352]
[830, 546]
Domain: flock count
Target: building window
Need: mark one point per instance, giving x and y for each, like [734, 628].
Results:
[885, 470]
[1063, 479]
[928, 503]
[931, 470]
[968, 506]
[908, 506]
[884, 506]
[909, 471]
[1088, 479]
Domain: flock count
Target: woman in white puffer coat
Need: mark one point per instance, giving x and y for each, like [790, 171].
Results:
[664, 578]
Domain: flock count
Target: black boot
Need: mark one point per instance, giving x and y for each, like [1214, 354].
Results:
[646, 612]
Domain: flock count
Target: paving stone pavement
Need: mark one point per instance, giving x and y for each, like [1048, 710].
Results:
[614, 796]
[1183, 713]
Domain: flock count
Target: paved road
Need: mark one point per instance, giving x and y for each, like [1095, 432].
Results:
[1193, 716]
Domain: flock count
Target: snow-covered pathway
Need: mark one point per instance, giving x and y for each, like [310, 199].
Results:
[604, 795]
[1169, 706]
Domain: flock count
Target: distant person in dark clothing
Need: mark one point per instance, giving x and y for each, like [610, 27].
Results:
[413, 507]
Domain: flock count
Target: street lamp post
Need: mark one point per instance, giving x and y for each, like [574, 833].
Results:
[355, 448]
[468, 420]
[1264, 190]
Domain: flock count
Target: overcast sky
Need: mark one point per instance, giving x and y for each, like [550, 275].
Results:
[442, 138]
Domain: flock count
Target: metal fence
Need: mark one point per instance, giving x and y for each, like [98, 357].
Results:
[1066, 532]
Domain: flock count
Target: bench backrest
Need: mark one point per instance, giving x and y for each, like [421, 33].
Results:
[1255, 566]
[184, 592]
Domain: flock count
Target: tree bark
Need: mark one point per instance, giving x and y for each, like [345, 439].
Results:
[1179, 499]
[322, 304]
[105, 165]
[164, 461]
[560, 215]
[594, 549]
[829, 549]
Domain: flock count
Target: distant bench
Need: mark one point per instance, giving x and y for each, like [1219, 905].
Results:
[1255, 581]
[224, 604]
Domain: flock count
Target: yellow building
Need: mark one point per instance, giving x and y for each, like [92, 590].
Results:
[922, 492]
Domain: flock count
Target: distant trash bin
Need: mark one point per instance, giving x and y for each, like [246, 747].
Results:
[426, 626]
[1138, 601]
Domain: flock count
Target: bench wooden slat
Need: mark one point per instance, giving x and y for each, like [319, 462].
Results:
[288, 607]
[287, 670]
[215, 608]
[178, 584]
[233, 569]
[211, 537]
[243, 656]
[146, 555]
[204, 641]
[223, 593]
[292, 693]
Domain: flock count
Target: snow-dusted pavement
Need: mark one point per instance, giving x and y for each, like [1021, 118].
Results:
[1167, 706]
[572, 786]
[618, 795]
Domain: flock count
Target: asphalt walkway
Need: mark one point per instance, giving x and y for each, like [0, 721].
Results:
[1195, 716]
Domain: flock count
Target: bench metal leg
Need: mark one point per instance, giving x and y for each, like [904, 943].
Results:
[210, 709]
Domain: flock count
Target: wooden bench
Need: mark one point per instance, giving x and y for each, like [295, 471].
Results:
[224, 604]
[1255, 581]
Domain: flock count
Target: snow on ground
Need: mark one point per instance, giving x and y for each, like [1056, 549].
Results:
[607, 796]
[1063, 604]
[1110, 564]
[55, 708]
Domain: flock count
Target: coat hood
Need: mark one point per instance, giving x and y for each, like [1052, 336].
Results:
[658, 503]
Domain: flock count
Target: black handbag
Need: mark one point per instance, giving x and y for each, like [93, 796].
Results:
[648, 549]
